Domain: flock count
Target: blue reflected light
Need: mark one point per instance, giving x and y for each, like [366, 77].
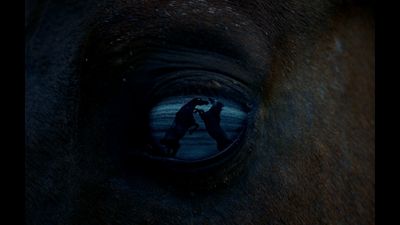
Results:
[199, 143]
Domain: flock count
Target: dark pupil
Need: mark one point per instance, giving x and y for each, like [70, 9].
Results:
[192, 128]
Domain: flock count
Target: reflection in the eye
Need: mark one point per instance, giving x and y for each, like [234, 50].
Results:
[195, 127]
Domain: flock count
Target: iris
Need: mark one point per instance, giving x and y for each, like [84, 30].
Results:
[195, 127]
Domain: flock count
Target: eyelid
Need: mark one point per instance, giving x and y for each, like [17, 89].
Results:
[166, 71]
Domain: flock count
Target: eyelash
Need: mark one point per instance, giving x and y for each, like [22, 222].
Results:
[125, 77]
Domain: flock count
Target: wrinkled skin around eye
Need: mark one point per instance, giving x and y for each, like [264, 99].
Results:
[311, 158]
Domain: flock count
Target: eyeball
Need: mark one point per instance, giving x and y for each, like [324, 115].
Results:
[191, 128]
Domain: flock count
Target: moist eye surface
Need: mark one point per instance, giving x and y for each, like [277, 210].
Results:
[195, 127]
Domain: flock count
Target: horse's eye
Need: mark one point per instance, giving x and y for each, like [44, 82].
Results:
[195, 128]
[183, 110]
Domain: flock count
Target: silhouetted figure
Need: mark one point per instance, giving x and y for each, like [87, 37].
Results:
[212, 121]
[184, 121]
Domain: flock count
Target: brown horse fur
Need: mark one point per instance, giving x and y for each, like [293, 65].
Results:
[312, 144]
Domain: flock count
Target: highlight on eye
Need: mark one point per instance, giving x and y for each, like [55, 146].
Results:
[195, 127]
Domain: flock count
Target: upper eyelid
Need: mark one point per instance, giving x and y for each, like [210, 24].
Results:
[235, 42]
[179, 58]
